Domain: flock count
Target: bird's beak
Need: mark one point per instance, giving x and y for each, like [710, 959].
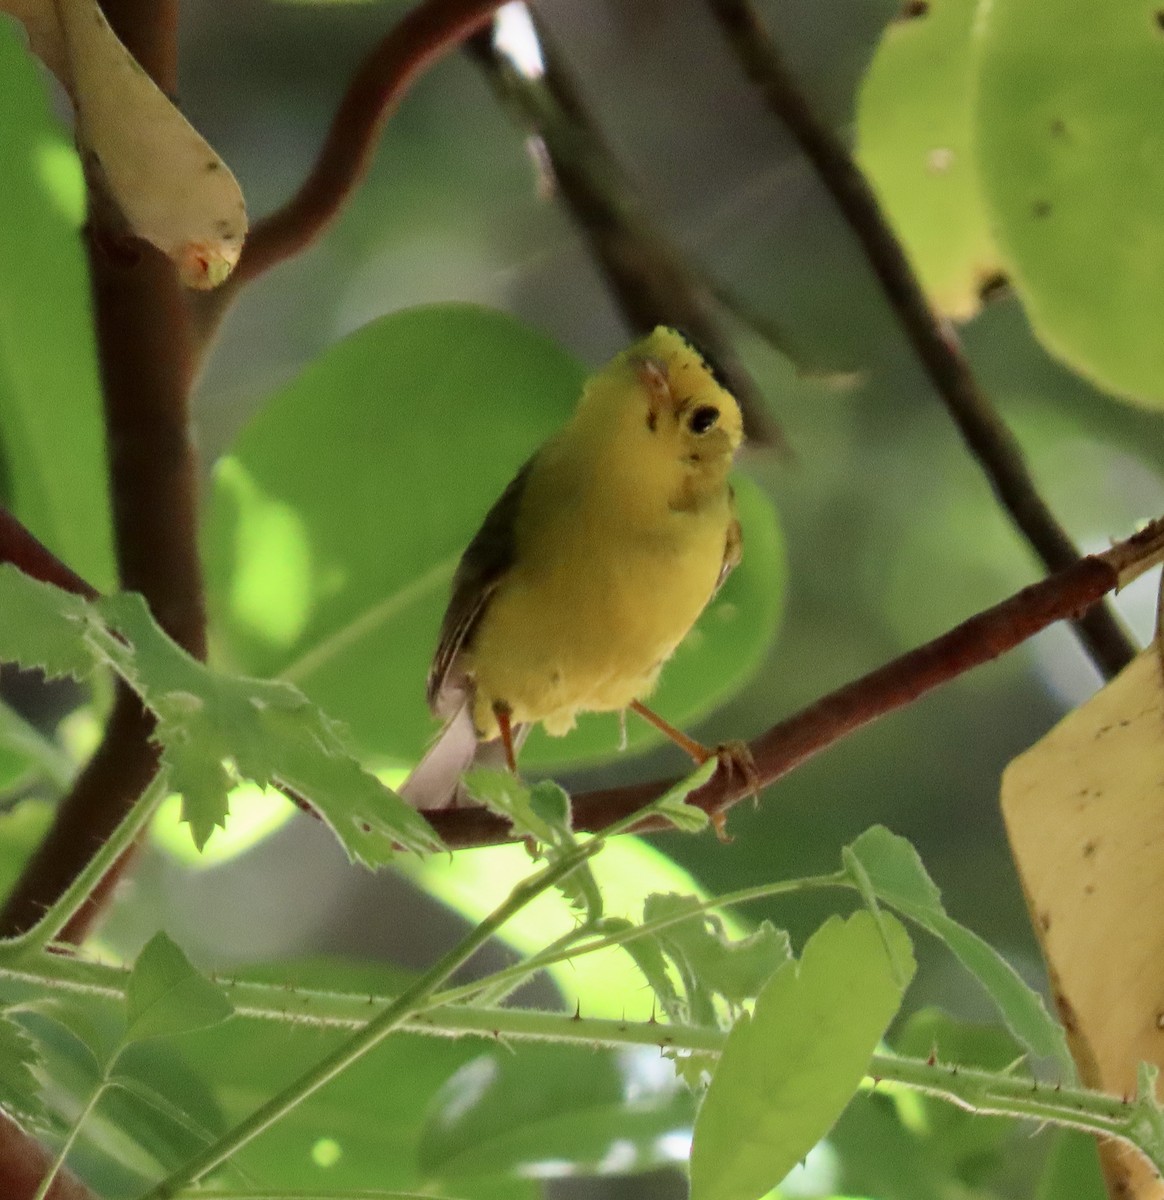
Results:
[653, 377]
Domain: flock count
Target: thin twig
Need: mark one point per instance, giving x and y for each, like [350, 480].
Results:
[648, 275]
[422, 36]
[934, 341]
[793, 741]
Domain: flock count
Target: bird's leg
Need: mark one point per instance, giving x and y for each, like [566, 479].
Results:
[502, 711]
[697, 750]
[734, 757]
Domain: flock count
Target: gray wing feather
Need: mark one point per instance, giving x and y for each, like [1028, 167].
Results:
[484, 564]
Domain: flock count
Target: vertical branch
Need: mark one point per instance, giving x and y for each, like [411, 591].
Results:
[146, 353]
[934, 341]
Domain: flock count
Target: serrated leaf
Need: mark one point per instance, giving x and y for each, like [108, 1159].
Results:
[710, 963]
[547, 821]
[268, 731]
[19, 1090]
[901, 881]
[165, 995]
[42, 626]
[788, 1070]
[543, 814]
[672, 804]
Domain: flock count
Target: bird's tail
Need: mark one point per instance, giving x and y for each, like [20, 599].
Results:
[436, 781]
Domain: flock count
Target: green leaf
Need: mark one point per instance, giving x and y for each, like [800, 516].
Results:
[269, 732]
[42, 626]
[543, 814]
[425, 415]
[526, 1113]
[1072, 1171]
[914, 130]
[709, 962]
[21, 829]
[673, 805]
[1070, 143]
[52, 447]
[964, 1144]
[787, 1071]
[901, 881]
[19, 1089]
[166, 995]
[362, 1130]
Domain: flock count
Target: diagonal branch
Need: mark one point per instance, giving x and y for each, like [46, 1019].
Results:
[934, 341]
[798, 738]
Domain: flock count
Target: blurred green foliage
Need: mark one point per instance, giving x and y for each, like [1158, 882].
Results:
[348, 474]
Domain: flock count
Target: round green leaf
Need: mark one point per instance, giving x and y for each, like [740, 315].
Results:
[1070, 139]
[52, 445]
[914, 122]
[338, 518]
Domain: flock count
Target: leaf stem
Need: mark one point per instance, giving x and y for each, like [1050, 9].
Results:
[58, 1162]
[386, 1022]
[73, 898]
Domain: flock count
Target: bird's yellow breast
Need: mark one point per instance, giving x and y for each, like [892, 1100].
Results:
[613, 567]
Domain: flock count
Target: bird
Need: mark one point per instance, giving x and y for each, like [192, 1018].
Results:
[591, 567]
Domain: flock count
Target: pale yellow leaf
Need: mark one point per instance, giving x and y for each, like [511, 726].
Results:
[167, 182]
[1084, 811]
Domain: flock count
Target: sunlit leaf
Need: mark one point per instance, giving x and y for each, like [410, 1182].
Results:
[914, 129]
[268, 731]
[1070, 139]
[788, 1070]
[52, 445]
[42, 626]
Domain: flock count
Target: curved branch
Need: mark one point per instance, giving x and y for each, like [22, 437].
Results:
[934, 341]
[796, 739]
[424, 35]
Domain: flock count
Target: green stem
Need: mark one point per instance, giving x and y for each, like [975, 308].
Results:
[58, 915]
[390, 1019]
[17, 734]
[58, 1162]
[993, 1093]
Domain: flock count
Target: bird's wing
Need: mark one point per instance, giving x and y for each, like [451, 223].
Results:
[733, 549]
[484, 564]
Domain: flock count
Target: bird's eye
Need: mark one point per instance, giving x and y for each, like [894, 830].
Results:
[703, 418]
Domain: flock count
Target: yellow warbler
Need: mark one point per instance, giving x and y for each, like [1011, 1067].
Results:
[591, 567]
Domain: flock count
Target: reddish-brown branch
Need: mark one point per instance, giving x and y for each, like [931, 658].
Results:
[934, 341]
[19, 547]
[24, 1163]
[146, 352]
[422, 36]
[791, 742]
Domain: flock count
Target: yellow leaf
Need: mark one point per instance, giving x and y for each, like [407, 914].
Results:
[1084, 811]
[169, 185]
